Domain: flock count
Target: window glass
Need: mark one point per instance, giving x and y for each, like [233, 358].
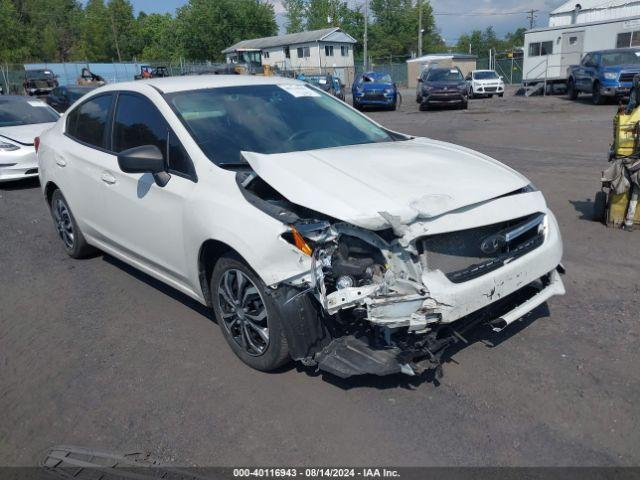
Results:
[344, 50]
[287, 52]
[328, 50]
[138, 122]
[88, 123]
[270, 119]
[534, 49]
[14, 112]
[444, 75]
[624, 40]
[621, 58]
[546, 48]
[486, 75]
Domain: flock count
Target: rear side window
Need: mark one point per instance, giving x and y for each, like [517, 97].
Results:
[88, 123]
[138, 122]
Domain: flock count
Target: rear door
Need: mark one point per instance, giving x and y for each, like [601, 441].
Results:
[82, 157]
[572, 47]
[146, 222]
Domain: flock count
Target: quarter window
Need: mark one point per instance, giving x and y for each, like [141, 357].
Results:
[538, 49]
[88, 123]
[138, 122]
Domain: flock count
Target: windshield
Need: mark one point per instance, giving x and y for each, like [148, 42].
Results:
[39, 74]
[442, 75]
[270, 119]
[485, 75]
[321, 81]
[620, 58]
[14, 113]
[377, 78]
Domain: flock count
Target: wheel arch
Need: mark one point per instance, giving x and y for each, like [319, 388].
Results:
[48, 191]
[210, 252]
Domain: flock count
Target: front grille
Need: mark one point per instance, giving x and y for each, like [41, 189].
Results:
[627, 77]
[490, 89]
[461, 255]
[374, 96]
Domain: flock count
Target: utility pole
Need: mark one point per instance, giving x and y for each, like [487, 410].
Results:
[419, 28]
[366, 23]
[532, 18]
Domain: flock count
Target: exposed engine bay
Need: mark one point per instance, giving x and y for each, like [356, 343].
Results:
[373, 310]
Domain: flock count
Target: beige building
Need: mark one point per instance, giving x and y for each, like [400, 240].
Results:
[466, 63]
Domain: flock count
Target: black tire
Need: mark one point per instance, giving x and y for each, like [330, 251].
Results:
[423, 107]
[72, 238]
[471, 93]
[572, 91]
[240, 331]
[357, 106]
[596, 97]
[418, 99]
[464, 105]
[490, 95]
[501, 95]
[600, 207]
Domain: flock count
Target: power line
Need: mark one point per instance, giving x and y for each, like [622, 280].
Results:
[532, 17]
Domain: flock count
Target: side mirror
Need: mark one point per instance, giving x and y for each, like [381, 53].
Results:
[145, 159]
[419, 79]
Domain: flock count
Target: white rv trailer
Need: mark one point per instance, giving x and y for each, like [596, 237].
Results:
[550, 51]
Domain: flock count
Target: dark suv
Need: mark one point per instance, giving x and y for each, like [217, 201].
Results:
[39, 82]
[442, 86]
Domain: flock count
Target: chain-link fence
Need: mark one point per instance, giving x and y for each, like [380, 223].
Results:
[509, 68]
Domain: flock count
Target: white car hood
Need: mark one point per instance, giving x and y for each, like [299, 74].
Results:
[418, 178]
[25, 134]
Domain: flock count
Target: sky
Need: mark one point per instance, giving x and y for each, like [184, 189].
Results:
[453, 17]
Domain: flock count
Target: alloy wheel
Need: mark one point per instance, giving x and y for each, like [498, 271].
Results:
[243, 311]
[63, 222]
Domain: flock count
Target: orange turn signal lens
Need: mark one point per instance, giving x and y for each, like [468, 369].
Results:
[300, 242]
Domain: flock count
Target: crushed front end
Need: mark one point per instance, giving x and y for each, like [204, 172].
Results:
[393, 300]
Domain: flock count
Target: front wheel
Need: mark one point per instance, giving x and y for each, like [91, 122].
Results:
[247, 315]
[501, 95]
[600, 207]
[72, 238]
[597, 98]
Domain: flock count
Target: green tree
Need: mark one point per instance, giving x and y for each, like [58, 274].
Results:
[94, 43]
[206, 27]
[121, 24]
[13, 42]
[157, 38]
[295, 12]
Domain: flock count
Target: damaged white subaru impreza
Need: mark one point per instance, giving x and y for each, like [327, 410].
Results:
[313, 233]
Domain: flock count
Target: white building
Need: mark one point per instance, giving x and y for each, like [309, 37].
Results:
[316, 51]
[575, 28]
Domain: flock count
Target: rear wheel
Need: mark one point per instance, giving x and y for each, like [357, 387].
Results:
[247, 315]
[72, 238]
[572, 91]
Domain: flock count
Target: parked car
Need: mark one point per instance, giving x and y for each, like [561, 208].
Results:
[22, 119]
[374, 89]
[62, 97]
[39, 82]
[328, 83]
[484, 83]
[89, 79]
[606, 74]
[442, 86]
[314, 233]
[147, 71]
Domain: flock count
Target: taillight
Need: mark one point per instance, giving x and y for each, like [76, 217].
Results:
[36, 143]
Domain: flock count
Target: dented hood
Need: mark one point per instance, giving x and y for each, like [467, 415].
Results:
[418, 178]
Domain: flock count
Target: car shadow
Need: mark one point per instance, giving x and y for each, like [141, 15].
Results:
[21, 184]
[584, 208]
[480, 334]
[160, 286]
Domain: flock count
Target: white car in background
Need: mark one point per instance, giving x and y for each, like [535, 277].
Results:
[313, 233]
[22, 119]
[481, 83]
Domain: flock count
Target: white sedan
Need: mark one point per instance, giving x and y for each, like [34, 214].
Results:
[484, 83]
[313, 233]
[22, 119]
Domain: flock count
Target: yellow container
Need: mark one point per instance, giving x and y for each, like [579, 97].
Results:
[624, 133]
[618, 204]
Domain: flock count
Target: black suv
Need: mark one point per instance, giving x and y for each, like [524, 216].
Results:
[442, 86]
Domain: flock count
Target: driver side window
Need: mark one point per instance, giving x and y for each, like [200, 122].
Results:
[138, 122]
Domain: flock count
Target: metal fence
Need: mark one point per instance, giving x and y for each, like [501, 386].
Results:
[509, 68]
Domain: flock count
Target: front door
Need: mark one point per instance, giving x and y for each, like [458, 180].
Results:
[572, 47]
[146, 220]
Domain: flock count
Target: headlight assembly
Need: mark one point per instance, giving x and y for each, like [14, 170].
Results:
[611, 75]
[8, 147]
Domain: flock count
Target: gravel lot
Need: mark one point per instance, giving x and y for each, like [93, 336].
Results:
[96, 354]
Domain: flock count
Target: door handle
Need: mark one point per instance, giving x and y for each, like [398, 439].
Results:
[107, 178]
[61, 162]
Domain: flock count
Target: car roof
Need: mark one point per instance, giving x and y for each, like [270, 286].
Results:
[198, 82]
[616, 50]
[483, 70]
